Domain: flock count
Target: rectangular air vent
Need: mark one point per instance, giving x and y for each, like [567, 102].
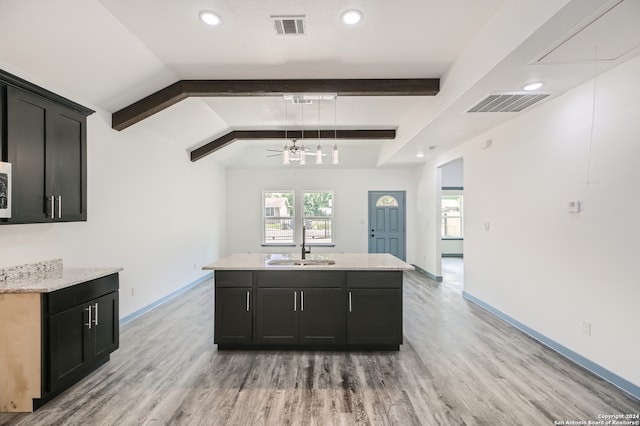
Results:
[507, 102]
[289, 24]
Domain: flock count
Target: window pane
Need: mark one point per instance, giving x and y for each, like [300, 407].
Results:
[387, 201]
[317, 211]
[278, 217]
[452, 216]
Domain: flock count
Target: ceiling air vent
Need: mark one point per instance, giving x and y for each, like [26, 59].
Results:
[507, 102]
[289, 24]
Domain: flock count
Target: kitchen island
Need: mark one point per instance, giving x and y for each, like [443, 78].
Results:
[331, 301]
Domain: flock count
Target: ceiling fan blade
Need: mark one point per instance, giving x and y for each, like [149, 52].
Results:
[275, 150]
[273, 155]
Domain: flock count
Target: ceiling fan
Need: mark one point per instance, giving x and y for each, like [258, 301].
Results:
[298, 153]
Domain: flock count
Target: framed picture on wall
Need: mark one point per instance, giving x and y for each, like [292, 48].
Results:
[5, 190]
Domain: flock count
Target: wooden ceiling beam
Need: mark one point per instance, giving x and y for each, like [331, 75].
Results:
[183, 89]
[309, 135]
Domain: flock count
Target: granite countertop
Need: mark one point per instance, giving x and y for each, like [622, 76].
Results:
[343, 262]
[45, 277]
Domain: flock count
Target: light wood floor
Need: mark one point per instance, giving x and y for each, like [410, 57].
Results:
[458, 366]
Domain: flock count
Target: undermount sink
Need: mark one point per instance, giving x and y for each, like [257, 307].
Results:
[300, 262]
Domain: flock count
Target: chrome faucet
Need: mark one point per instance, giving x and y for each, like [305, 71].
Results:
[304, 250]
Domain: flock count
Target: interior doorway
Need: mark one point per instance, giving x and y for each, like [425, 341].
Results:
[452, 215]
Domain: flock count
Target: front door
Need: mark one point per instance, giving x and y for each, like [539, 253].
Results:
[387, 222]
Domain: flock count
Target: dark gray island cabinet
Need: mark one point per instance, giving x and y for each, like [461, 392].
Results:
[309, 307]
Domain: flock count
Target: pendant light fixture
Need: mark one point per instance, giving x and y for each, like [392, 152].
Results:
[319, 147]
[292, 153]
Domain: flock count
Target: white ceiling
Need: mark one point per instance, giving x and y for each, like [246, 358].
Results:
[111, 53]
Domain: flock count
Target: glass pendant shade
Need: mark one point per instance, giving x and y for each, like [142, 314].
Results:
[285, 155]
[303, 157]
[335, 155]
[319, 155]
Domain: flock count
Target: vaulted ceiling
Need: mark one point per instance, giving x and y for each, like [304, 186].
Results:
[112, 53]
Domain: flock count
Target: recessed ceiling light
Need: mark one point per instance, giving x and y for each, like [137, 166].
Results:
[351, 16]
[210, 18]
[420, 154]
[533, 86]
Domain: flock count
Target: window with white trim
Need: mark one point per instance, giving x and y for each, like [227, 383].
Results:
[451, 215]
[278, 217]
[317, 214]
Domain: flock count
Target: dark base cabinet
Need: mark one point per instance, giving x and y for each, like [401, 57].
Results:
[80, 330]
[308, 310]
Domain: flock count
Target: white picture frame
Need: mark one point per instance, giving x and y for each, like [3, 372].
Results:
[5, 190]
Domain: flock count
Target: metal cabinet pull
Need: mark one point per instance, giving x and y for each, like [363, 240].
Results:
[89, 323]
[95, 319]
[53, 207]
[295, 297]
[59, 206]
[247, 300]
[349, 301]
[301, 301]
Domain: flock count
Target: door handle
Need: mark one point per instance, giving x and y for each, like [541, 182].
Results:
[247, 300]
[372, 235]
[89, 323]
[295, 296]
[349, 301]
[95, 319]
[302, 301]
[59, 206]
[53, 207]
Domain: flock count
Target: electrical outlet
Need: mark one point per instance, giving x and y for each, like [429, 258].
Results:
[487, 226]
[133, 291]
[194, 267]
[586, 328]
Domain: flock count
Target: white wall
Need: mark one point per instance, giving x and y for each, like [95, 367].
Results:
[547, 268]
[150, 210]
[244, 205]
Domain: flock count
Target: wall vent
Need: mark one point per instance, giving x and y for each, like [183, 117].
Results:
[507, 102]
[289, 24]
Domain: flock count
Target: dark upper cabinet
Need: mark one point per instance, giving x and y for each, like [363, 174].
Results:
[26, 151]
[45, 139]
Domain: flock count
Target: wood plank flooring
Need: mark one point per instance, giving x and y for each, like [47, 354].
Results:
[459, 365]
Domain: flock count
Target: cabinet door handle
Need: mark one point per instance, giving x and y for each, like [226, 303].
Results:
[301, 301]
[89, 323]
[349, 301]
[295, 297]
[53, 207]
[95, 314]
[247, 300]
[59, 206]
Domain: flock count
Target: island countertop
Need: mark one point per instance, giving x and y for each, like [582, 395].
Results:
[343, 262]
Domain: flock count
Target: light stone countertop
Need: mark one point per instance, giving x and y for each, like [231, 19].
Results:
[344, 262]
[54, 280]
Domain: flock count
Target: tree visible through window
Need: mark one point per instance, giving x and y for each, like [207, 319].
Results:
[278, 217]
[452, 216]
[317, 213]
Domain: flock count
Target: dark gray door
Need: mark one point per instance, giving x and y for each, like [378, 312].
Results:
[387, 222]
